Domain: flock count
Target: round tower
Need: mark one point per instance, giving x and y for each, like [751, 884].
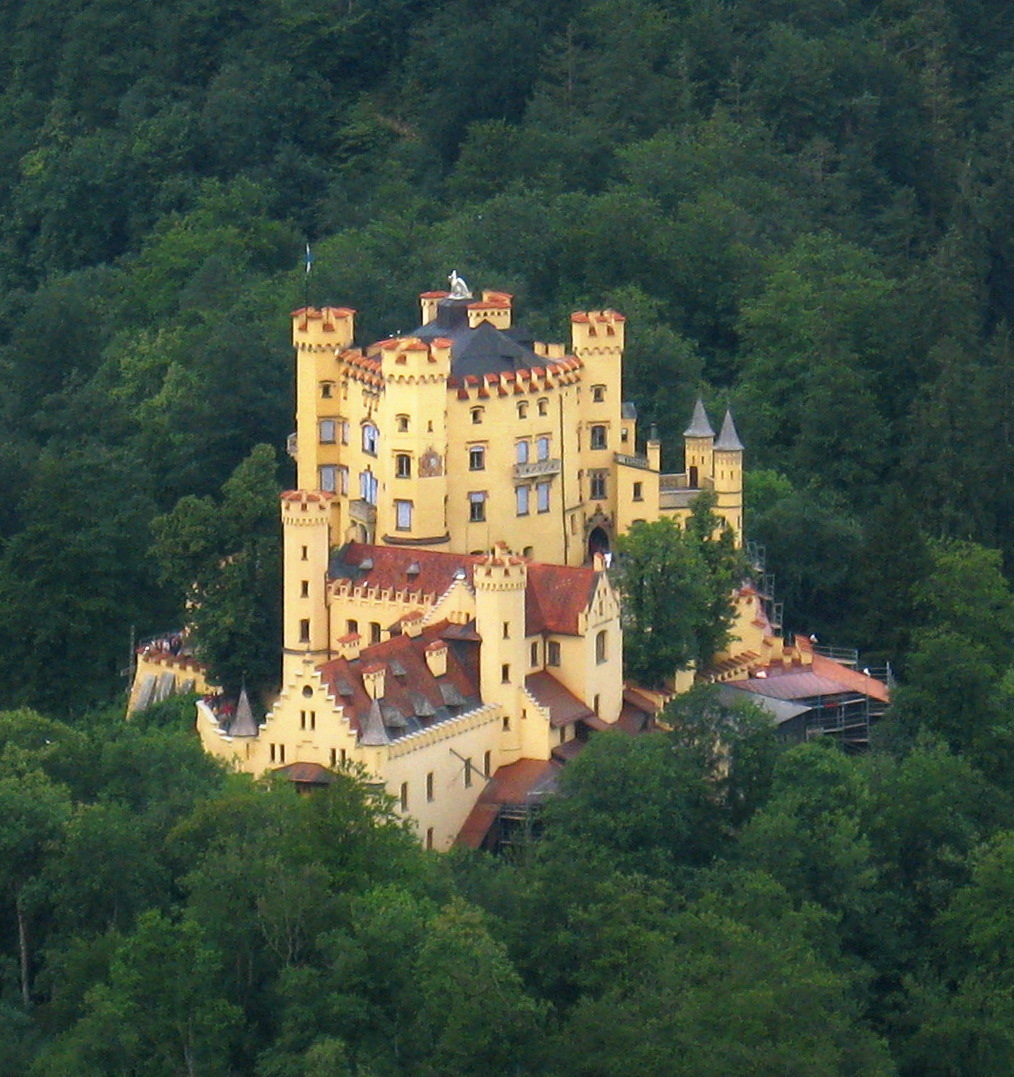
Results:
[412, 506]
[728, 464]
[305, 549]
[699, 448]
[500, 583]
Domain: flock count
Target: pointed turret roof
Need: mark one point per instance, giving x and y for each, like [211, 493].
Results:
[699, 426]
[728, 439]
[243, 723]
[374, 734]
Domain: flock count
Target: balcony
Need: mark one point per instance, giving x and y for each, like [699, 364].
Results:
[538, 470]
[632, 460]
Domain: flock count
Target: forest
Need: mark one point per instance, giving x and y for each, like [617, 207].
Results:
[803, 209]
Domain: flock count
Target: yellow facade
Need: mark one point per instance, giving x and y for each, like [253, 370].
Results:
[447, 609]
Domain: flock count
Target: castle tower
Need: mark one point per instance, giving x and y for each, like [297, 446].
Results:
[728, 463]
[412, 416]
[699, 442]
[319, 336]
[305, 547]
[500, 583]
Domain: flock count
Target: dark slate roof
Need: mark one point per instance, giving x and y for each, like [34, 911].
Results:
[700, 426]
[243, 723]
[728, 439]
[413, 699]
[628, 410]
[479, 351]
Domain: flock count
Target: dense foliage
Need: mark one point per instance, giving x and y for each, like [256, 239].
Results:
[700, 902]
[803, 209]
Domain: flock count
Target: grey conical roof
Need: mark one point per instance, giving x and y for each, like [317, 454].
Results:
[699, 426]
[373, 733]
[728, 439]
[243, 723]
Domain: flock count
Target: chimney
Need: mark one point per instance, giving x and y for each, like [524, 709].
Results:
[373, 680]
[436, 657]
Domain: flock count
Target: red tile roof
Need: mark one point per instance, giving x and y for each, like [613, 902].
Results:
[514, 784]
[852, 678]
[409, 653]
[564, 706]
[555, 597]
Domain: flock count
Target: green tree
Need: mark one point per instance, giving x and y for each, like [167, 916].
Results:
[224, 563]
[667, 596]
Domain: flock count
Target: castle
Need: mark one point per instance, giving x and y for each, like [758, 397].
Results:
[449, 622]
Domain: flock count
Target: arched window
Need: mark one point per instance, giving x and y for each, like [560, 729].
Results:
[600, 647]
[477, 415]
[371, 436]
[523, 409]
[543, 406]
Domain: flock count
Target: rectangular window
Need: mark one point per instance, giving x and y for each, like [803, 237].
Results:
[505, 673]
[404, 796]
[476, 507]
[542, 496]
[476, 458]
[598, 437]
[334, 757]
[468, 773]
[521, 495]
[329, 478]
[429, 837]
[304, 631]
[326, 389]
[272, 751]
[535, 653]
[487, 764]
[600, 648]
[598, 393]
[303, 555]
[552, 653]
[429, 786]
[345, 431]
[352, 627]
[281, 753]
[368, 487]
[403, 515]
[327, 431]
[542, 448]
[374, 632]
[304, 588]
[343, 479]
[370, 438]
[598, 485]
[638, 491]
[403, 466]
[521, 452]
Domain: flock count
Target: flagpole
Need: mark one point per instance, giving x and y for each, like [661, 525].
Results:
[306, 275]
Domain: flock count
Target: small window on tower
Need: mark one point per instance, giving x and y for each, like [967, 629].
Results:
[523, 410]
[477, 415]
[328, 429]
[304, 588]
[476, 458]
[370, 438]
[304, 631]
[598, 437]
[598, 393]
[638, 491]
[327, 389]
[543, 406]
[402, 424]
